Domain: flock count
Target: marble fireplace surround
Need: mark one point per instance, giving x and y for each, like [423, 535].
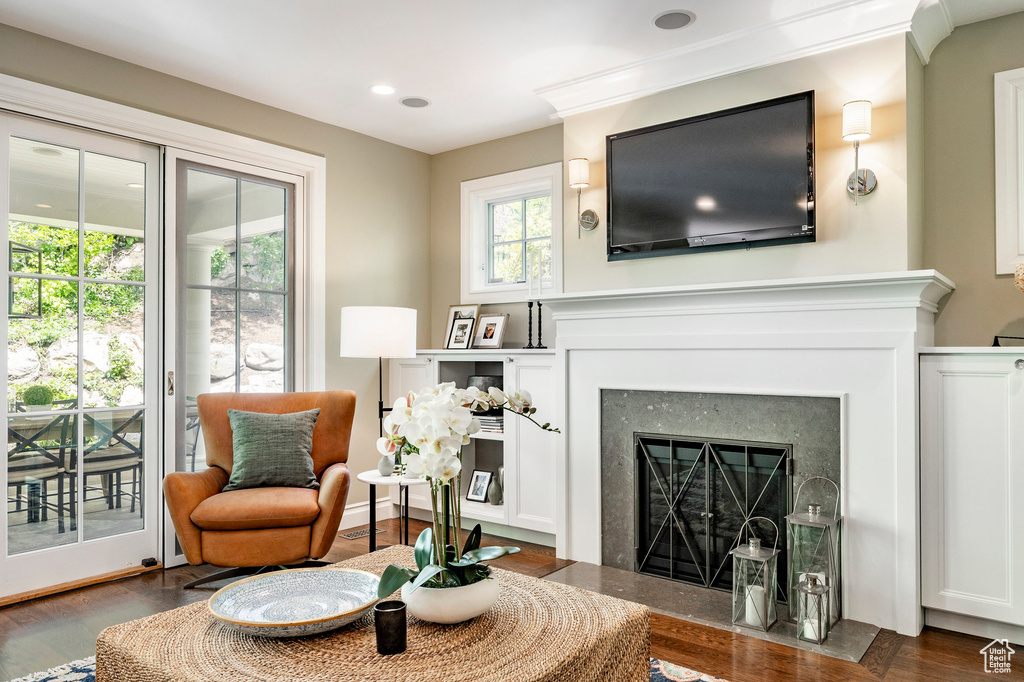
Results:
[811, 425]
[851, 337]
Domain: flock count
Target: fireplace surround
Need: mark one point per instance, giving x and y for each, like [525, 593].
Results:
[742, 456]
[851, 338]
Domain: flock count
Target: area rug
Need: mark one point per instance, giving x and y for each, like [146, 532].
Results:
[85, 671]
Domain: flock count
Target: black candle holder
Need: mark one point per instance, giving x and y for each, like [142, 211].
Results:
[529, 325]
[540, 328]
[390, 623]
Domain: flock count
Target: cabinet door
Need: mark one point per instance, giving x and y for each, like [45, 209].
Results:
[530, 451]
[411, 374]
[972, 472]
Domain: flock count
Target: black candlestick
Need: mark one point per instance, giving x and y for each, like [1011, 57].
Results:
[529, 325]
[540, 329]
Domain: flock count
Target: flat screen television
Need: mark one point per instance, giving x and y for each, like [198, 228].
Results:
[733, 179]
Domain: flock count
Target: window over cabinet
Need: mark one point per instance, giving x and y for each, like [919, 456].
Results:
[512, 235]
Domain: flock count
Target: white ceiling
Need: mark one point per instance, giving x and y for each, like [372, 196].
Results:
[480, 62]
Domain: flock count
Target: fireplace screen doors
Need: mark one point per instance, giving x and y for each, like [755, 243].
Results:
[693, 497]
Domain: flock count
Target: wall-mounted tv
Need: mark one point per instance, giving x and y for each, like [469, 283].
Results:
[733, 179]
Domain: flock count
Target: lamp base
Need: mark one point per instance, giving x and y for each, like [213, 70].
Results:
[866, 185]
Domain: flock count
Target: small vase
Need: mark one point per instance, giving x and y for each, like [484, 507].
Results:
[495, 494]
[451, 604]
[385, 467]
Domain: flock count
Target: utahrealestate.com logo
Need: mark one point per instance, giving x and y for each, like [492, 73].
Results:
[997, 656]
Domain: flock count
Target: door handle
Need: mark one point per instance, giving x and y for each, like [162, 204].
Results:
[170, 383]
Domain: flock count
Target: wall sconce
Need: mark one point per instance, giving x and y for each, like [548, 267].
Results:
[579, 177]
[857, 127]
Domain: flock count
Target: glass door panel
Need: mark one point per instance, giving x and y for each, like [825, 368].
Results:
[80, 329]
[234, 243]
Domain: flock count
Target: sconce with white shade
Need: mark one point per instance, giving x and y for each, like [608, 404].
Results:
[579, 177]
[857, 127]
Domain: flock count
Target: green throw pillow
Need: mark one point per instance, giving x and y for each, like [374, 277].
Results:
[272, 449]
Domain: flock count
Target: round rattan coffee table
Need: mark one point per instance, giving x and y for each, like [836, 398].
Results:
[537, 630]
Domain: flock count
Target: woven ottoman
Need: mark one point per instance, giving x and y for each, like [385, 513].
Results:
[537, 630]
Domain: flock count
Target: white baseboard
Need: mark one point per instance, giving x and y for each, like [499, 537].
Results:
[358, 513]
[979, 627]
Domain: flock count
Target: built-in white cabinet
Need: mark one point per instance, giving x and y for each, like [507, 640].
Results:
[525, 452]
[972, 483]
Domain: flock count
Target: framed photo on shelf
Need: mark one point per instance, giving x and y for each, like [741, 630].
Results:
[478, 485]
[490, 330]
[461, 322]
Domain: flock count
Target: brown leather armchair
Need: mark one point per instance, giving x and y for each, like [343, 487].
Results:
[257, 527]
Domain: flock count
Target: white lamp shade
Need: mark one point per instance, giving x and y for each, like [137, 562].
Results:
[857, 120]
[579, 173]
[378, 332]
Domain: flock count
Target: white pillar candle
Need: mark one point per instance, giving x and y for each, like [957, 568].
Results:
[811, 629]
[755, 606]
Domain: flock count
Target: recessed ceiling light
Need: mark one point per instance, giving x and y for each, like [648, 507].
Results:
[706, 203]
[43, 206]
[383, 89]
[135, 185]
[673, 19]
[415, 102]
[47, 151]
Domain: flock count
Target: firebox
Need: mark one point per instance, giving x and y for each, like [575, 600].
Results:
[693, 496]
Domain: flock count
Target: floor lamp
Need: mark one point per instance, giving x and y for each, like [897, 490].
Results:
[380, 332]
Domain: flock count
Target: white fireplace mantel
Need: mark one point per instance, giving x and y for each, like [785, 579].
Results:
[852, 337]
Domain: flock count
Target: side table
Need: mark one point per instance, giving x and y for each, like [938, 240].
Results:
[374, 479]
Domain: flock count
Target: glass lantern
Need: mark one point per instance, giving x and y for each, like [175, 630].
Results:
[814, 542]
[812, 605]
[754, 580]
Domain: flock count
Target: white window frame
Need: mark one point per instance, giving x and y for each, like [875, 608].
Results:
[477, 196]
[1009, 140]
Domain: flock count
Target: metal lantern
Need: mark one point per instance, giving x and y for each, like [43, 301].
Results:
[812, 606]
[814, 544]
[754, 580]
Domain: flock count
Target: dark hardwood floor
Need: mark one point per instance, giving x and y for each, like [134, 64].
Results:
[47, 632]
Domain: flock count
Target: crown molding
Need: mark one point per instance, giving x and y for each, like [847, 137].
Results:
[931, 25]
[836, 25]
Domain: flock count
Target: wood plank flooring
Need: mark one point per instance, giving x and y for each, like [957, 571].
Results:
[47, 632]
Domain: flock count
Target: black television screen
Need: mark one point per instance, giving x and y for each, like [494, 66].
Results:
[738, 178]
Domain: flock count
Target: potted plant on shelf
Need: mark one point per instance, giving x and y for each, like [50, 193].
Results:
[428, 430]
[37, 398]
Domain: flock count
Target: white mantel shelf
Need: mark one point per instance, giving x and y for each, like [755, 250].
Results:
[915, 288]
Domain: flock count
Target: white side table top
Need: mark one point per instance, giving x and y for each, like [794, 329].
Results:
[373, 477]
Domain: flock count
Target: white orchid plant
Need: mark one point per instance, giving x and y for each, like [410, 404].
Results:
[425, 433]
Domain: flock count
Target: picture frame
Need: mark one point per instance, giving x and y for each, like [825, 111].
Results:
[461, 338]
[490, 330]
[478, 486]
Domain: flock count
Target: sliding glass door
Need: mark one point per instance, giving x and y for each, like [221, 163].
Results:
[82, 361]
[234, 295]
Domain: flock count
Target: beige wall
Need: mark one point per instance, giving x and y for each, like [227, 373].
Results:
[959, 194]
[871, 237]
[447, 172]
[378, 194]
[915, 159]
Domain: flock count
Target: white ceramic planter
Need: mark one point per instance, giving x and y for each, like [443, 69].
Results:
[451, 604]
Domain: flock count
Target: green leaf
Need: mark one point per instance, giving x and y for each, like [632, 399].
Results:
[487, 554]
[393, 579]
[473, 541]
[425, 549]
[425, 575]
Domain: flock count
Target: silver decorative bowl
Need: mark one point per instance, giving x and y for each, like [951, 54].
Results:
[302, 601]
